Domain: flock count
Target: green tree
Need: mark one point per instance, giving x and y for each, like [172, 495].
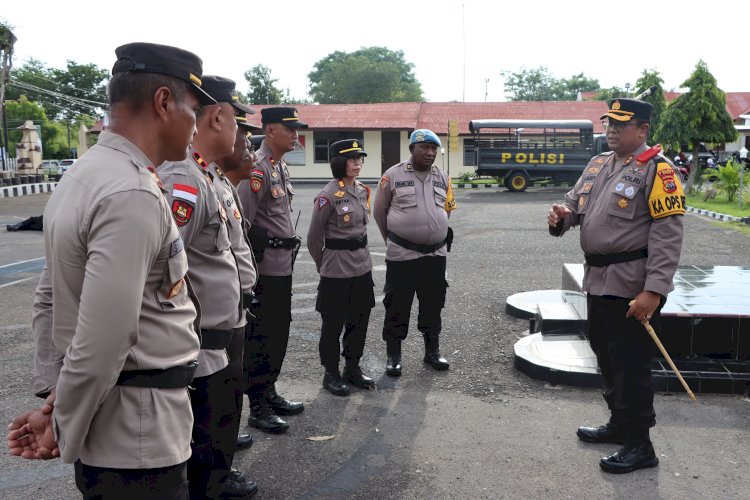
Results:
[648, 79]
[65, 94]
[727, 180]
[537, 84]
[370, 74]
[54, 139]
[610, 93]
[263, 88]
[699, 115]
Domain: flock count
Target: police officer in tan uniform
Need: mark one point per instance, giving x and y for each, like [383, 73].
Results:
[337, 242]
[223, 171]
[629, 205]
[114, 298]
[267, 200]
[203, 223]
[412, 208]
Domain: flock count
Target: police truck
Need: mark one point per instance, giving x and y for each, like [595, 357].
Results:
[524, 151]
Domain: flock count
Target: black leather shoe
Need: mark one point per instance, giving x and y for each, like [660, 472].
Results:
[237, 476]
[436, 361]
[353, 375]
[393, 362]
[332, 383]
[263, 418]
[602, 434]
[237, 489]
[630, 458]
[244, 441]
[281, 406]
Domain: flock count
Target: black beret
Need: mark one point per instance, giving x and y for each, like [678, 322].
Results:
[142, 57]
[351, 148]
[623, 110]
[286, 116]
[245, 125]
[222, 89]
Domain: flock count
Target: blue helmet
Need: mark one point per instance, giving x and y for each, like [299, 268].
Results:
[424, 135]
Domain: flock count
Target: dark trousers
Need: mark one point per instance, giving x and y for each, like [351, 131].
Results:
[624, 351]
[236, 379]
[425, 277]
[216, 421]
[103, 483]
[344, 303]
[265, 346]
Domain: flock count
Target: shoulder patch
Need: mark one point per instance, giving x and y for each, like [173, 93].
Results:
[257, 173]
[384, 182]
[255, 184]
[666, 197]
[181, 211]
[322, 201]
[185, 192]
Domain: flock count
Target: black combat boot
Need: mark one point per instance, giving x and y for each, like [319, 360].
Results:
[244, 442]
[637, 453]
[333, 383]
[607, 433]
[353, 374]
[231, 488]
[393, 363]
[281, 406]
[432, 352]
[263, 418]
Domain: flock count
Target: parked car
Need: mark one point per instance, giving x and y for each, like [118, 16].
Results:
[66, 164]
[53, 166]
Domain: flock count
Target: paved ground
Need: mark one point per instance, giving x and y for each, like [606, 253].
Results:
[480, 430]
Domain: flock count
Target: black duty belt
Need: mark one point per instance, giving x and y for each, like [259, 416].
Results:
[335, 244]
[595, 260]
[170, 378]
[402, 242]
[287, 243]
[217, 339]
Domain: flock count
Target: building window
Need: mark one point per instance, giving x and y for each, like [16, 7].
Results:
[470, 158]
[323, 141]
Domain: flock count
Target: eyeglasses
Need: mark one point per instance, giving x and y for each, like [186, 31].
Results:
[359, 159]
[616, 126]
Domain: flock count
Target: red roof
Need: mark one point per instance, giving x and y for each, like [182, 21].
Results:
[591, 95]
[378, 116]
[738, 103]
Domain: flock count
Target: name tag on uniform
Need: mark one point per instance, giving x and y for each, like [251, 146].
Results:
[400, 184]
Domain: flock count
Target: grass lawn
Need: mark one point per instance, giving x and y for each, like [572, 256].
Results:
[719, 204]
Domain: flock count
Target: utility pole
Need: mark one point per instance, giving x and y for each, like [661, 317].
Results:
[486, 82]
[7, 40]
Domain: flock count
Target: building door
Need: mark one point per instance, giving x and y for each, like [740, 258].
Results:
[391, 148]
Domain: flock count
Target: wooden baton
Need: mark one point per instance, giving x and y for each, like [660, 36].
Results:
[650, 330]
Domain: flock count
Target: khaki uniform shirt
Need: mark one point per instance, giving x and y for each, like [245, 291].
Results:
[414, 209]
[267, 200]
[236, 224]
[116, 266]
[611, 202]
[202, 222]
[340, 212]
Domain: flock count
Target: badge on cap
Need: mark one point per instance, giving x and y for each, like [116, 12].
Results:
[419, 137]
[616, 105]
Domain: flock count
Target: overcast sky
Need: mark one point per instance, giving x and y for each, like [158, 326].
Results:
[613, 42]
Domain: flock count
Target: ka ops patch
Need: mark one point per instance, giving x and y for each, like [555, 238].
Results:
[667, 197]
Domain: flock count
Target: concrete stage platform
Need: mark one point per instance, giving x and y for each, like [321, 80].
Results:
[705, 328]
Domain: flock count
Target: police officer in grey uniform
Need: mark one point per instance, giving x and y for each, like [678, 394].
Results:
[629, 205]
[267, 200]
[337, 242]
[203, 222]
[412, 208]
[115, 322]
[223, 170]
